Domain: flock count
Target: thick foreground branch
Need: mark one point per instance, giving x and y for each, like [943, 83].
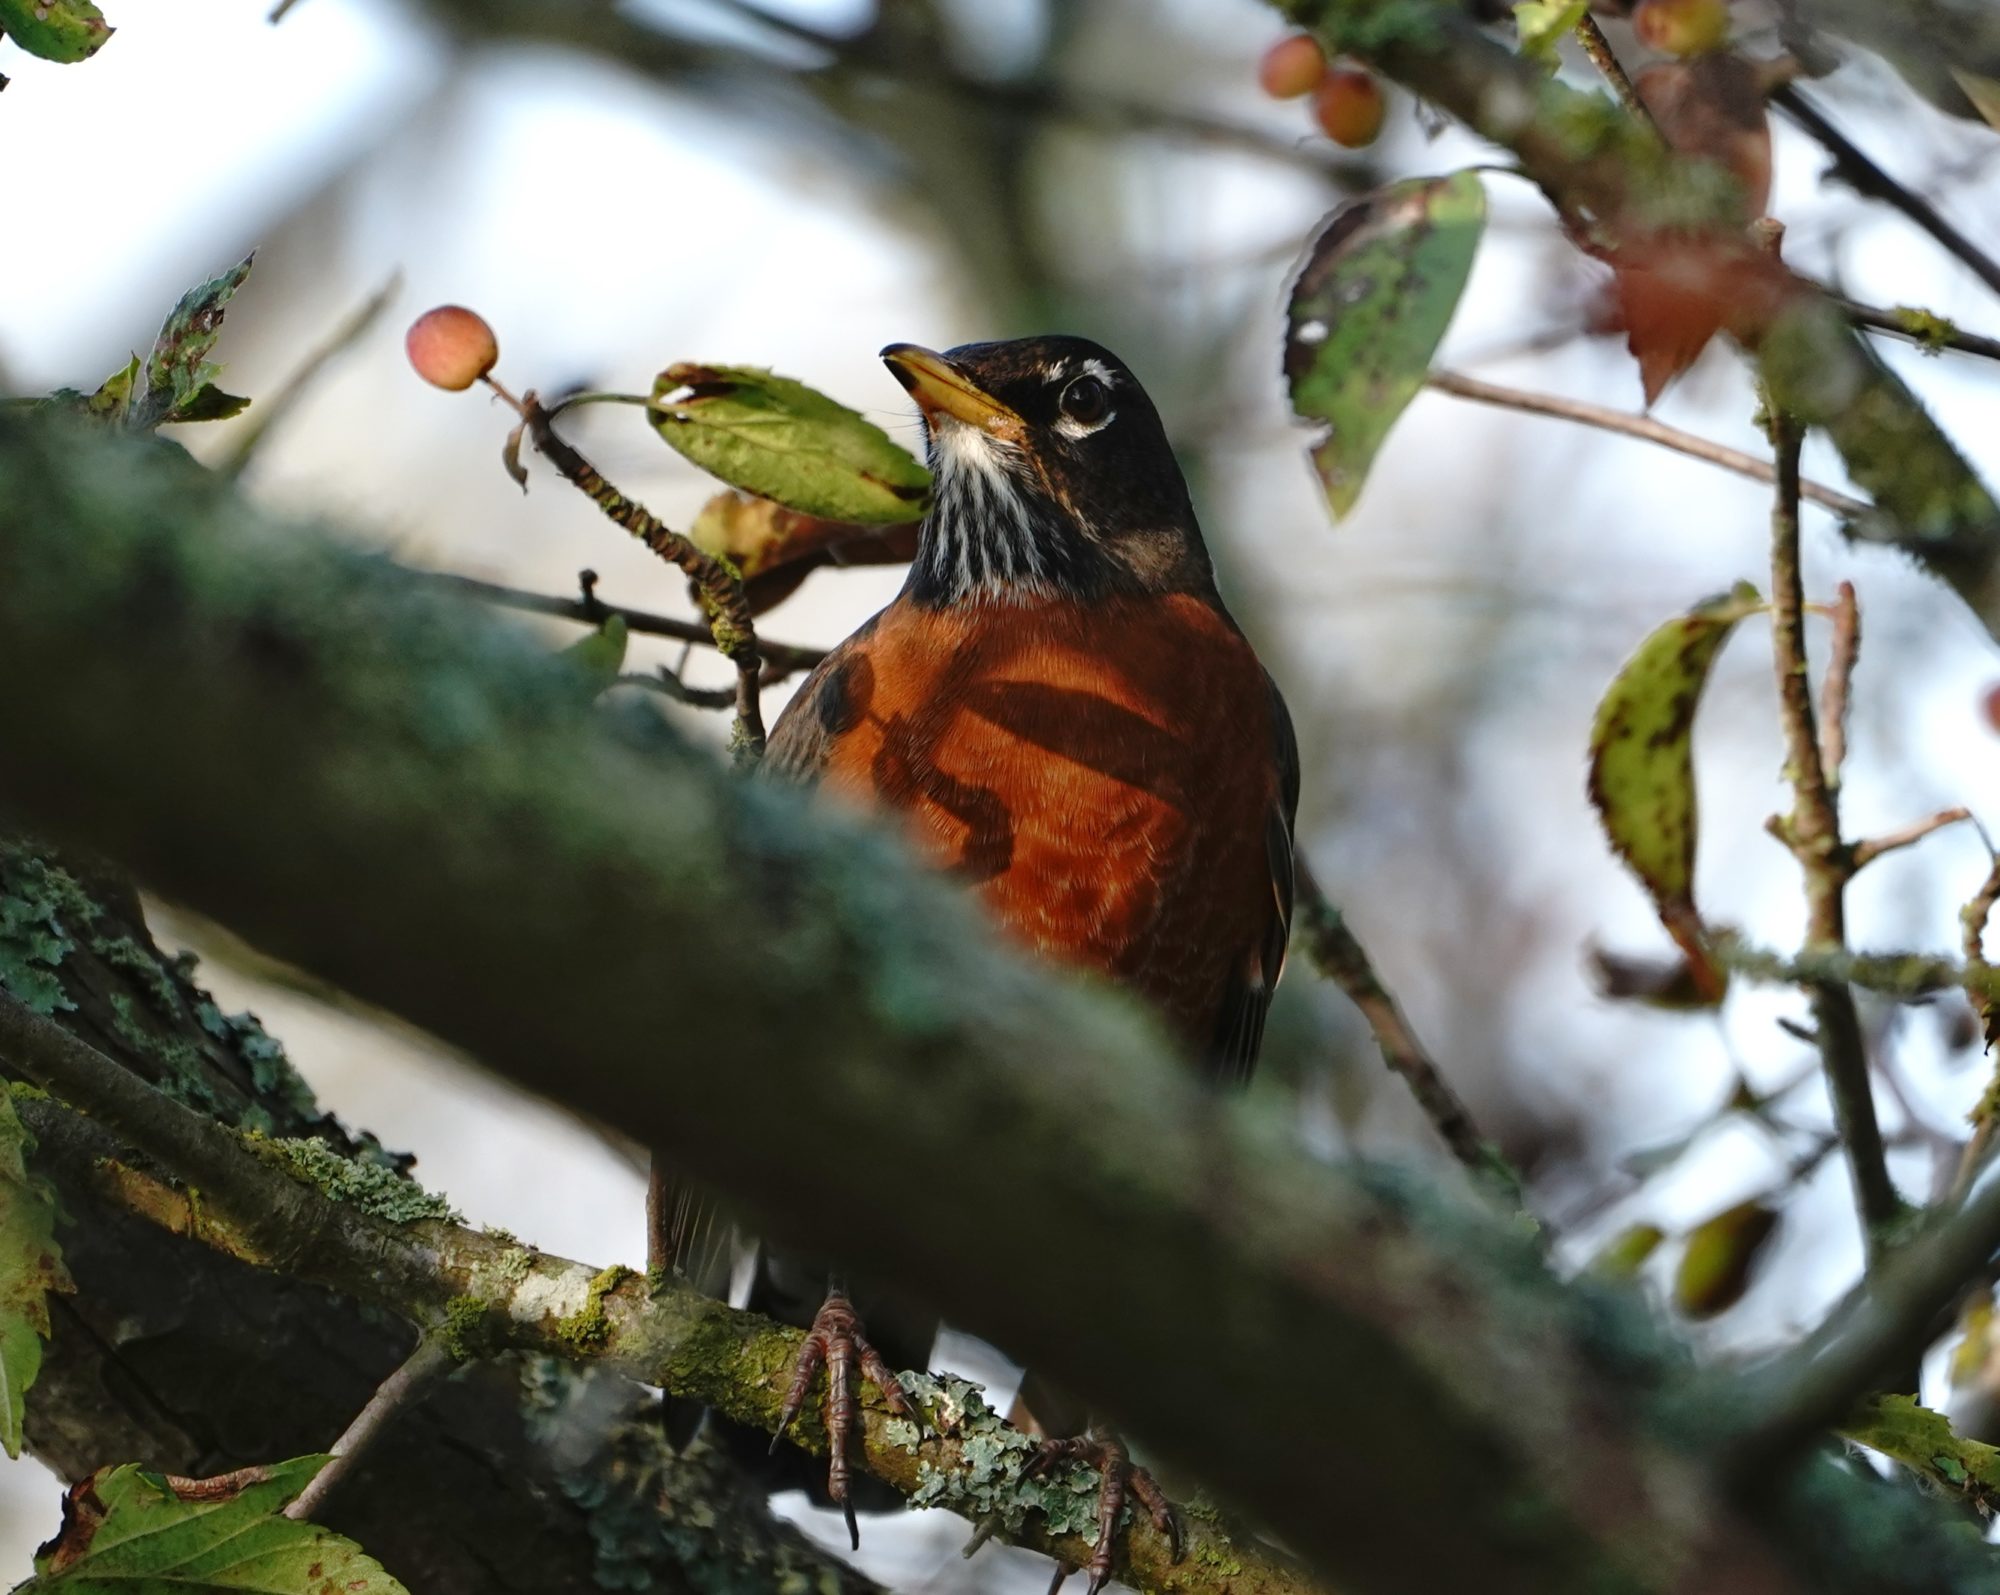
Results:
[407, 799]
[473, 1295]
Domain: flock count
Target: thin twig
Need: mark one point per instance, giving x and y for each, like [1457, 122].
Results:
[1875, 846]
[1598, 48]
[1843, 648]
[266, 414]
[1902, 976]
[782, 660]
[422, 1366]
[1920, 327]
[1812, 832]
[1638, 426]
[1338, 955]
[718, 591]
[1882, 1330]
[1972, 920]
[1861, 174]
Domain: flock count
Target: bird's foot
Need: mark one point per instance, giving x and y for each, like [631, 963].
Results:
[836, 1341]
[1106, 1452]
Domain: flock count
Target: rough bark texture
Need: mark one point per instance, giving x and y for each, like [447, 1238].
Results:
[187, 1360]
[411, 801]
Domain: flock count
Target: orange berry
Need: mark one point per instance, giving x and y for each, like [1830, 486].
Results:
[1291, 68]
[1989, 705]
[1349, 107]
[451, 347]
[1682, 27]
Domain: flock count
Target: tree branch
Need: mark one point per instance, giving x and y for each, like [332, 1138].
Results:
[1812, 832]
[474, 1295]
[1639, 426]
[421, 813]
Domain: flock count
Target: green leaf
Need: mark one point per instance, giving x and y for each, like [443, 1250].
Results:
[178, 370]
[600, 656]
[129, 1530]
[1642, 763]
[1626, 1252]
[30, 1267]
[1720, 1258]
[784, 441]
[1542, 25]
[1368, 311]
[1924, 1442]
[207, 403]
[55, 30]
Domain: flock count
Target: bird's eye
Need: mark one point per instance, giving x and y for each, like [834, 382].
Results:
[1086, 401]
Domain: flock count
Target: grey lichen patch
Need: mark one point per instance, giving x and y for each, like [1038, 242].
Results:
[989, 1482]
[368, 1186]
[39, 904]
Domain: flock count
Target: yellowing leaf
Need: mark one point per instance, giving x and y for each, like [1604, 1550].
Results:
[1540, 27]
[1368, 310]
[30, 1267]
[55, 30]
[126, 1528]
[778, 438]
[1626, 1252]
[1720, 1258]
[1642, 764]
[774, 548]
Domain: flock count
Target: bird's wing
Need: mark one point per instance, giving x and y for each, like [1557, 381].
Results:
[1239, 1029]
[701, 1238]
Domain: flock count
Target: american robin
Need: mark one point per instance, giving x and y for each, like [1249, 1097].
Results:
[1064, 716]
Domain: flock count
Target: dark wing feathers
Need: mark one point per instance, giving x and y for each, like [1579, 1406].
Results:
[1239, 1029]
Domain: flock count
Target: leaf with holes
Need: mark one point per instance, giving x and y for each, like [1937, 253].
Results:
[55, 30]
[30, 1267]
[1642, 764]
[778, 438]
[1368, 310]
[178, 371]
[1925, 1442]
[128, 1528]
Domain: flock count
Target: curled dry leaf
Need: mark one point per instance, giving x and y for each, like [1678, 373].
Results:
[1642, 765]
[510, 456]
[779, 439]
[1670, 983]
[1721, 1258]
[774, 548]
[1367, 312]
[1676, 291]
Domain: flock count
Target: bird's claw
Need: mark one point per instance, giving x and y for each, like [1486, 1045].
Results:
[1121, 1478]
[836, 1342]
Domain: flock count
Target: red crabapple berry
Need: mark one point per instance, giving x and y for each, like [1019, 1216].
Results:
[1682, 27]
[1291, 68]
[1349, 107]
[451, 347]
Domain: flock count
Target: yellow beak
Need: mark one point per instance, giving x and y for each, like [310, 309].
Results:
[940, 389]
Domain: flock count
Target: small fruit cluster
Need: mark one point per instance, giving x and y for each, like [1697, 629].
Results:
[1347, 100]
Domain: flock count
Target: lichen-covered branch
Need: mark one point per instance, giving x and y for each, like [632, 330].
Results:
[473, 1295]
[406, 798]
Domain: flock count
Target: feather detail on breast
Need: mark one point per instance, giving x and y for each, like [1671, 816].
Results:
[1109, 777]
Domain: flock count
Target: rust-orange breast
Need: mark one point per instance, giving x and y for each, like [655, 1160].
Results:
[1101, 773]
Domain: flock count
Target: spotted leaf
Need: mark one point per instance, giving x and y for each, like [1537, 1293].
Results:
[30, 1267]
[1377, 291]
[128, 1528]
[1642, 764]
[55, 30]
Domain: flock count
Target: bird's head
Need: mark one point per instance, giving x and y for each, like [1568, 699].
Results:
[1052, 476]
